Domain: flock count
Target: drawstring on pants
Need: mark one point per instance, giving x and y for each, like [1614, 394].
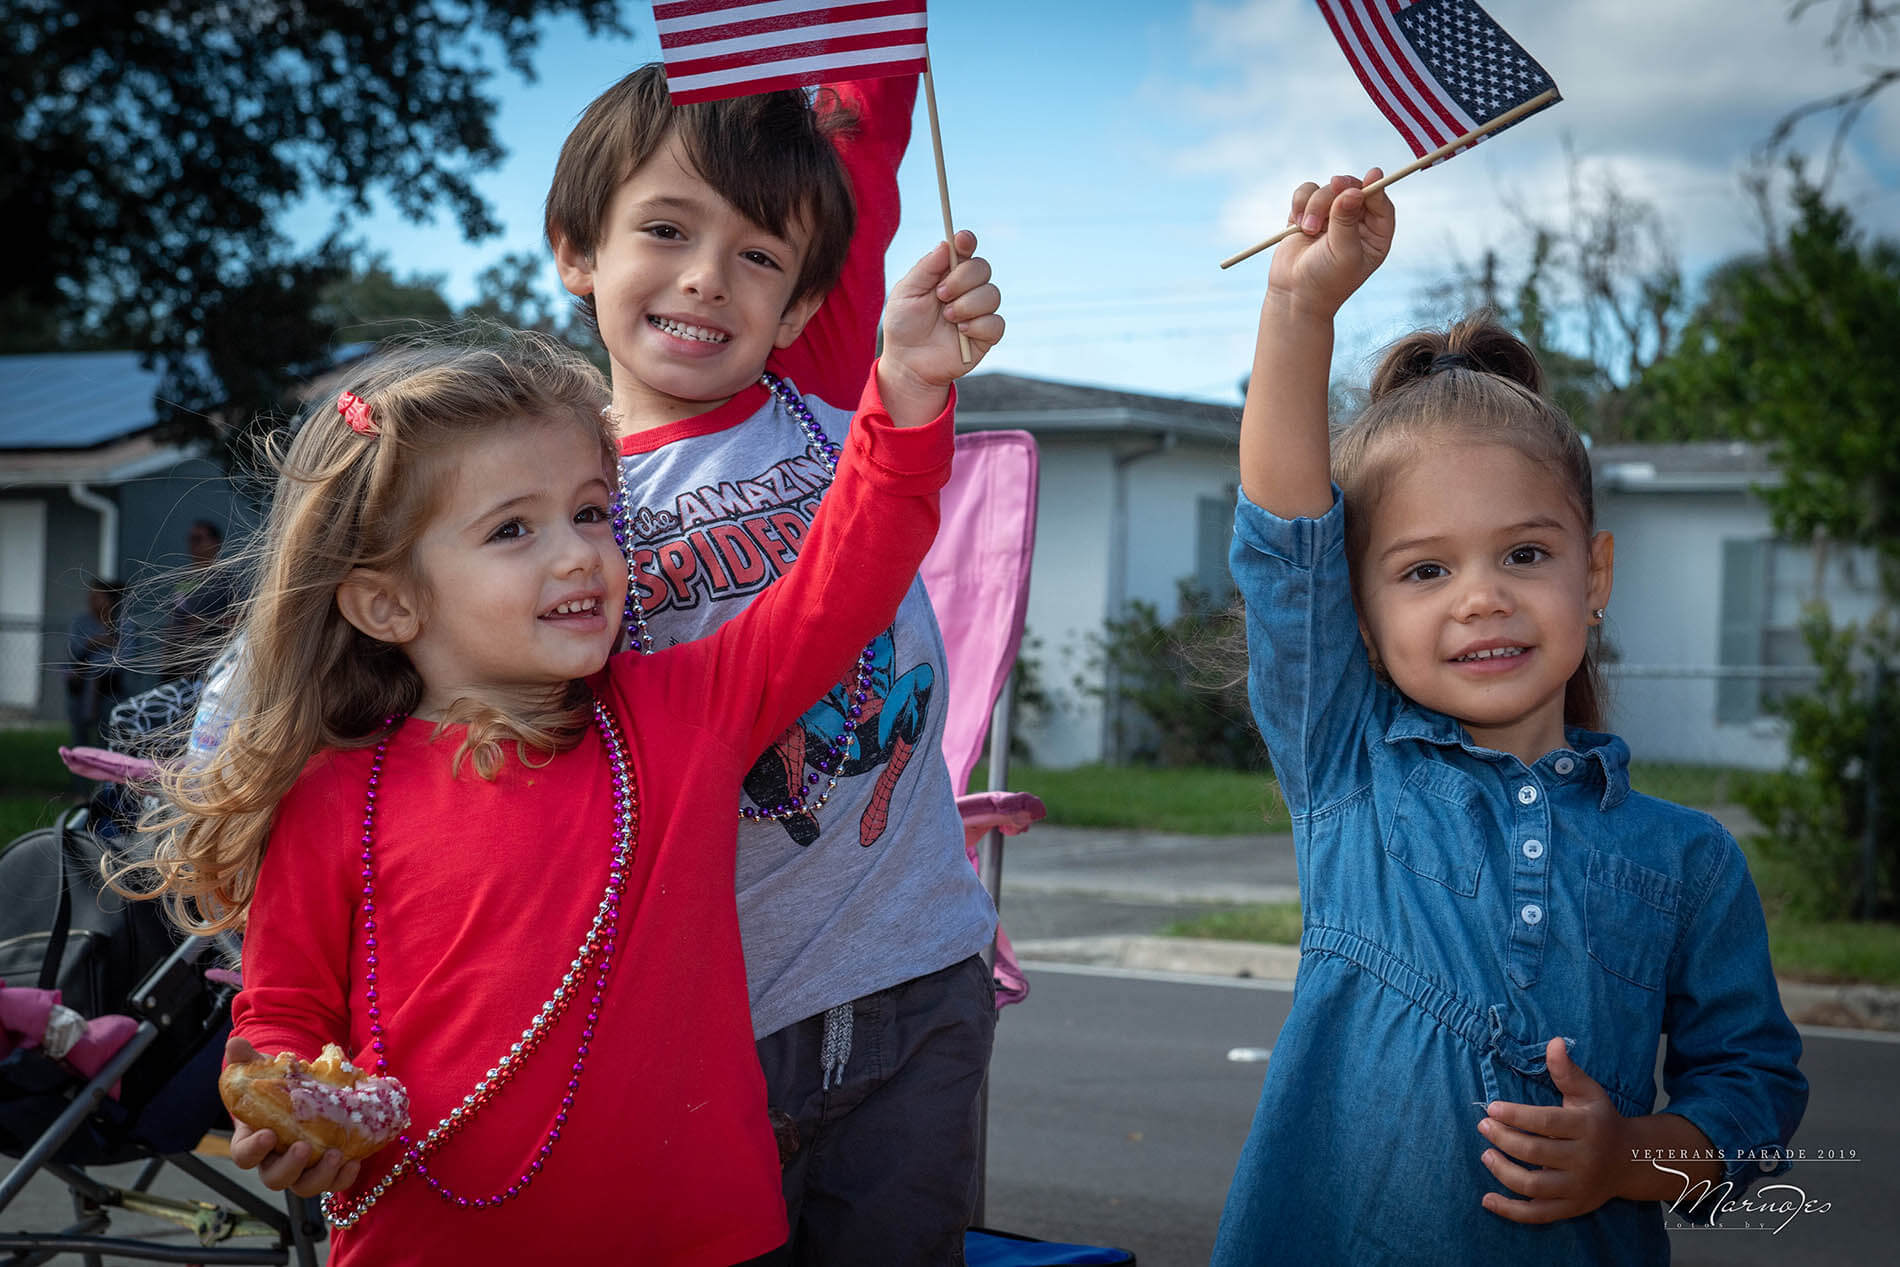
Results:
[837, 1046]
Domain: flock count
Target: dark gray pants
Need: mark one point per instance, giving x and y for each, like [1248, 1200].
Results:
[885, 1171]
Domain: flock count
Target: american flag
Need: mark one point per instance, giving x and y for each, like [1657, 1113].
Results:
[728, 48]
[1437, 68]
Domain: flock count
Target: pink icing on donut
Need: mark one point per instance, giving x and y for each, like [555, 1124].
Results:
[376, 1104]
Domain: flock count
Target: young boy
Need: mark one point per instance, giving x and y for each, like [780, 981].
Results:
[710, 244]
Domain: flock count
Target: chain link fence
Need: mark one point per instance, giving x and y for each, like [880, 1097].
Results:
[34, 656]
[1680, 714]
[32, 661]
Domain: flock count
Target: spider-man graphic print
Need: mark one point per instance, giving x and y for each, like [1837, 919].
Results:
[729, 540]
[880, 734]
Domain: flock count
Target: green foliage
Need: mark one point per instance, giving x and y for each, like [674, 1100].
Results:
[373, 303]
[1029, 701]
[151, 147]
[1814, 813]
[1796, 350]
[1186, 681]
[509, 291]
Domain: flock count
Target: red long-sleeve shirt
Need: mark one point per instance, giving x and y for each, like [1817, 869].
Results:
[484, 890]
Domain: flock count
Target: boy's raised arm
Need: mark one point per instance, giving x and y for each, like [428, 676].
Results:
[1283, 440]
[833, 356]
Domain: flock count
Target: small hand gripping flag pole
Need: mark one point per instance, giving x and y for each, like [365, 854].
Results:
[728, 48]
[1442, 71]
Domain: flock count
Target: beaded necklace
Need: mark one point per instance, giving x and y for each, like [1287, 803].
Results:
[828, 762]
[596, 952]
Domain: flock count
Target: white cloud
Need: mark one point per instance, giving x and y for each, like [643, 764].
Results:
[1668, 99]
[1672, 99]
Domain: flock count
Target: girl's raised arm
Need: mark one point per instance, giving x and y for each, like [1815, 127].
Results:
[1283, 441]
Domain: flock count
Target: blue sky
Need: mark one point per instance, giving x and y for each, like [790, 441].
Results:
[1110, 154]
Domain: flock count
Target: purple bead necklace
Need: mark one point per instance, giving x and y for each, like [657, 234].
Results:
[596, 952]
[826, 766]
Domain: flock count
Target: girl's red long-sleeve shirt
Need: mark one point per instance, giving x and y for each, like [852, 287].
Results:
[484, 891]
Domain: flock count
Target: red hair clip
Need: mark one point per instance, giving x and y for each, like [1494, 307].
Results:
[355, 411]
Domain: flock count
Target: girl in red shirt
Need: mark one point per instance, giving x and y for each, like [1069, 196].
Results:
[484, 858]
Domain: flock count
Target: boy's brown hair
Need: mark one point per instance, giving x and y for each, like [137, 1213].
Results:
[770, 155]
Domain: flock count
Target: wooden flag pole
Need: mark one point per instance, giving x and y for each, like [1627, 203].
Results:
[943, 190]
[1509, 116]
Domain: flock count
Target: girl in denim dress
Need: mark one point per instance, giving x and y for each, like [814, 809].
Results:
[1498, 931]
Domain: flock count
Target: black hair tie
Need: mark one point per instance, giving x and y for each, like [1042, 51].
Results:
[1450, 361]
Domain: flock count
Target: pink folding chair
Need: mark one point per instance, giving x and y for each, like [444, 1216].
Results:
[977, 574]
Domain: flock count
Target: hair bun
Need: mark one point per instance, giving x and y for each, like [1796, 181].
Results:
[1475, 343]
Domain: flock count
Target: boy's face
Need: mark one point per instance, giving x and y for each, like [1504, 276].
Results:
[691, 296]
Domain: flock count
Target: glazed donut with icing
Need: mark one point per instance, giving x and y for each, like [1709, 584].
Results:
[327, 1102]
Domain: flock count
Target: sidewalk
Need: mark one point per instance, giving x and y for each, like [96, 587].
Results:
[1102, 896]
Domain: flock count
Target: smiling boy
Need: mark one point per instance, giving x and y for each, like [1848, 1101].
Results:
[717, 250]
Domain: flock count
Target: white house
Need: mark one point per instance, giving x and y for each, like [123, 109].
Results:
[88, 487]
[1704, 621]
[1137, 493]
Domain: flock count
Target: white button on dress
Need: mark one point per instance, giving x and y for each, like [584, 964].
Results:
[1527, 795]
[1533, 849]
[1531, 913]
[1564, 765]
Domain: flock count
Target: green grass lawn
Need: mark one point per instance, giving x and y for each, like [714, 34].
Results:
[1802, 950]
[1194, 802]
[34, 786]
[1698, 786]
[1232, 802]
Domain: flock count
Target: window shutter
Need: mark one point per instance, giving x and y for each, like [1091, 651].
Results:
[1744, 612]
[1214, 534]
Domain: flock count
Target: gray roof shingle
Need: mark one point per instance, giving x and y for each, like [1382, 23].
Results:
[74, 400]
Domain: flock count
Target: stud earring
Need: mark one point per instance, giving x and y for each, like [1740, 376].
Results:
[1598, 613]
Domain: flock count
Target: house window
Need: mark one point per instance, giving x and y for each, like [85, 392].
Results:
[1766, 584]
[22, 602]
[1214, 534]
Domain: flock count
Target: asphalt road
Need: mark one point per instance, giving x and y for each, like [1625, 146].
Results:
[1116, 1115]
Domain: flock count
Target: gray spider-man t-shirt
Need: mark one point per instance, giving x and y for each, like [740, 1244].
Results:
[874, 888]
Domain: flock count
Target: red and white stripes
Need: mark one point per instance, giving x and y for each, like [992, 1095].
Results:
[1399, 82]
[728, 48]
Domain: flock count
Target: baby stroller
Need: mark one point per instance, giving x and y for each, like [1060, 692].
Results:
[111, 1038]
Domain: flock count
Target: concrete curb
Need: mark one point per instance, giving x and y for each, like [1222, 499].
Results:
[1195, 955]
[1807, 1003]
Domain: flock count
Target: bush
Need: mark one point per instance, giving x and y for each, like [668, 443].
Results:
[1815, 813]
[1185, 681]
[1029, 702]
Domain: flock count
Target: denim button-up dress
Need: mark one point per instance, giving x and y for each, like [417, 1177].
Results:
[1461, 909]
